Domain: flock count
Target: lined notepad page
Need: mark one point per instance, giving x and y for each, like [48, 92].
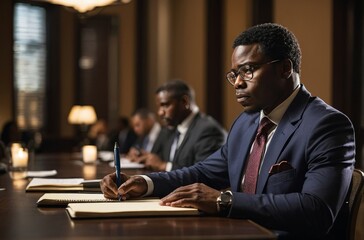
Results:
[65, 198]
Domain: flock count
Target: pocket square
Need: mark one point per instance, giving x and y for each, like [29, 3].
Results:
[280, 167]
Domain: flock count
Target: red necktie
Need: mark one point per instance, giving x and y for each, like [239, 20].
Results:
[255, 157]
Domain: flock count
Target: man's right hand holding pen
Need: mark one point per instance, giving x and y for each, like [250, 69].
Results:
[131, 187]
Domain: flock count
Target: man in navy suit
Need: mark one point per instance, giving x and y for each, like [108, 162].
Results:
[306, 170]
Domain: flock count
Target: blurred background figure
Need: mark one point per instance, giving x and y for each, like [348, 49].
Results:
[151, 135]
[123, 134]
[99, 135]
[10, 133]
[195, 134]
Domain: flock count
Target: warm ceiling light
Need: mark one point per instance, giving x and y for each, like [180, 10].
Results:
[83, 5]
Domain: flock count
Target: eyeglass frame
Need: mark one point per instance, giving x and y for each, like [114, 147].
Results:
[252, 68]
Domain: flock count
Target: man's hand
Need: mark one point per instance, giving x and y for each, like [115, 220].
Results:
[152, 161]
[132, 187]
[196, 195]
[134, 153]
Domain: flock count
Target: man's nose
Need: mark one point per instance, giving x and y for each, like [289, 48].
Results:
[160, 112]
[239, 82]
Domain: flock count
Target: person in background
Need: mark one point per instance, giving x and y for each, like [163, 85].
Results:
[98, 134]
[151, 135]
[10, 133]
[124, 135]
[296, 182]
[195, 136]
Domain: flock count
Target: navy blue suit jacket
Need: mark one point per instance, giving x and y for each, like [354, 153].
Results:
[314, 138]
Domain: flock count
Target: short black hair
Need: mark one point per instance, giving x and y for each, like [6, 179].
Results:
[276, 42]
[143, 113]
[177, 88]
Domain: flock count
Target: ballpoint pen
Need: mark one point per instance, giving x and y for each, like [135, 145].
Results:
[117, 166]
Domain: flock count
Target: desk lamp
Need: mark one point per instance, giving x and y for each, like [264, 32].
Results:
[83, 116]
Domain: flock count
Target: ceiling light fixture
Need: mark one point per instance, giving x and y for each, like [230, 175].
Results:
[83, 6]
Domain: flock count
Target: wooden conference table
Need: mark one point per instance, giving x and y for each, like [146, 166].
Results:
[20, 218]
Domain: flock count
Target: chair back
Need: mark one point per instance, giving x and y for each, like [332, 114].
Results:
[355, 195]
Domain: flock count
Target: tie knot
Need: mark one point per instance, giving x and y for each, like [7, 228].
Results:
[177, 133]
[265, 125]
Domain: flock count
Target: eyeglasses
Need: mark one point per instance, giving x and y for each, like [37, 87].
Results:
[245, 72]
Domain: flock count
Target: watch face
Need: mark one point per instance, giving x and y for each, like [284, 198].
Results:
[225, 198]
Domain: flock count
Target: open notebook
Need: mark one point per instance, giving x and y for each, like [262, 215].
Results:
[63, 185]
[62, 199]
[128, 208]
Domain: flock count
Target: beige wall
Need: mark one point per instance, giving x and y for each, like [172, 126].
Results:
[188, 45]
[176, 45]
[311, 22]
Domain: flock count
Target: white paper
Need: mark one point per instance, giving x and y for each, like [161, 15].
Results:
[127, 164]
[41, 173]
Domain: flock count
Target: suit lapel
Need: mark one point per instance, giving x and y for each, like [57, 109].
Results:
[287, 126]
[188, 133]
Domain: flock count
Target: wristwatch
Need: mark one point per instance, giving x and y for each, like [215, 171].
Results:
[223, 202]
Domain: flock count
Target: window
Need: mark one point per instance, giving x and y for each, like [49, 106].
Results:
[30, 66]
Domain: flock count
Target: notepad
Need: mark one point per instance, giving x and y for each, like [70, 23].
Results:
[63, 185]
[128, 208]
[62, 199]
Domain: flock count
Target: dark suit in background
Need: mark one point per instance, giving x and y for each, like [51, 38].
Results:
[203, 137]
[160, 143]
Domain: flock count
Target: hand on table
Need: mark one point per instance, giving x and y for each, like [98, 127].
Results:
[196, 195]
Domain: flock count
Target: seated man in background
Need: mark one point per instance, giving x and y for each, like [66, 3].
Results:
[195, 136]
[98, 134]
[151, 136]
[291, 174]
[123, 134]
[11, 133]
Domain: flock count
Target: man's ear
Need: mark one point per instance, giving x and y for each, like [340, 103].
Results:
[287, 68]
[186, 101]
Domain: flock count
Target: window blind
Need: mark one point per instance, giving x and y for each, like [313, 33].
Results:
[30, 52]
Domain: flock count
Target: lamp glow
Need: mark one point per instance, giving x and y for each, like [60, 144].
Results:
[82, 115]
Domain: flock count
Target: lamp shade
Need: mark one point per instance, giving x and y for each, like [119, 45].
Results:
[82, 115]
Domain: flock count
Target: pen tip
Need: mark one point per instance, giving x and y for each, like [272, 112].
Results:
[116, 145]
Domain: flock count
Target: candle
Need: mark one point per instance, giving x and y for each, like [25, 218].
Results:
[19, 162]
[89, 153]
[15, 148]
[20, 158]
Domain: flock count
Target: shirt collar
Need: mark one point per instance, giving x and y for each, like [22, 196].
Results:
[185, 124]
[276, 115]
[154, 132]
